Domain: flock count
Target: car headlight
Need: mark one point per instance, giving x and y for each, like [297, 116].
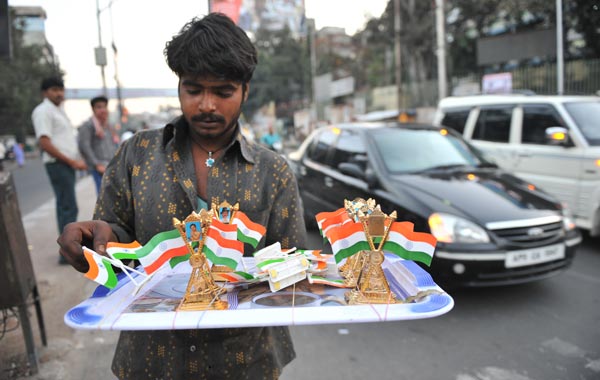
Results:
[453, 229]
[568, 222]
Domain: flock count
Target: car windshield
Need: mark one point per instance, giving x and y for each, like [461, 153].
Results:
[587, 117]
[417, 150]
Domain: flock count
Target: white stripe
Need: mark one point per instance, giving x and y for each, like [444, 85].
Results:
[356, 237]
[214, 246]
[102, 276]
[161, 248]
[246, 230]
[410, 245]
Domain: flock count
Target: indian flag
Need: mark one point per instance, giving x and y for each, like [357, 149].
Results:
[410, 245]
[228, 231]
[100, 270]
[160, 249]
[221, 251]
[347, 239]
[123, 251]
[326, 220]
[248, 231]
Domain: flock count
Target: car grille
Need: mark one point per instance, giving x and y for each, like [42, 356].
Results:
[529, 236]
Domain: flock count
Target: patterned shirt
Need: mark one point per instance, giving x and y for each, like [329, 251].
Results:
[150, 181]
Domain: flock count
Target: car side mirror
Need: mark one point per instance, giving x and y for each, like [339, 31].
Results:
[356, 171]
[557, 136]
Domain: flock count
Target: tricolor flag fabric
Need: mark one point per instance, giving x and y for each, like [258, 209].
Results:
[248, 231]
[161, 248]
[222, 251]
[410, 245]
[347, 239]
[327, 220]
[123, 251]
[101, 270]
[228, 231]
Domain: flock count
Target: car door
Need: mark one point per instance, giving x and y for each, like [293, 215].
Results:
[554, 168]
[491, 133]
[315, 172]
[349, 148]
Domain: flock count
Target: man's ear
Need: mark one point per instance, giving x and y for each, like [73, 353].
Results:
[245, 91]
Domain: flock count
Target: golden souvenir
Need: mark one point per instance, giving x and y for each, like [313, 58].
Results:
[201, 293]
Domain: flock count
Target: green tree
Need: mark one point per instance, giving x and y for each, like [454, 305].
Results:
[20, 79]
[584, 16]
[282, 74]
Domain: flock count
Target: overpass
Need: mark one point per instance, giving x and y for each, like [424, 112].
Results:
[126, 93]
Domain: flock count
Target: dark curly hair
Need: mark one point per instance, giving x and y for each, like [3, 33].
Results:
[212, 46]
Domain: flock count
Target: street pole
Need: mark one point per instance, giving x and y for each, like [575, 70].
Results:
[313, 72]
[115, 55]
[100, 51]
[397, 28]
[559, 49]
[440, 23]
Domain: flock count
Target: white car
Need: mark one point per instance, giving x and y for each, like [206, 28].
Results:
[551, 141]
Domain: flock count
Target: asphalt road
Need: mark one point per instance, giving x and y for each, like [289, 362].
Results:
[544, 330]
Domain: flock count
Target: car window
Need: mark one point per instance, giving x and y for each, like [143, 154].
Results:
[348, 146]
[456, 119]
[318, 149]
[587, 118]
[408, 150]
[536, 118]
[493, 124]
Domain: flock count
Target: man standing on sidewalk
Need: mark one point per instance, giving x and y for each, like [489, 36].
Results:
[199, 159]
[98, 140]
[56, 138]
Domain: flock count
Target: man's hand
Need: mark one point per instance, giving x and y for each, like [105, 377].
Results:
[93, 234]
[100, 168]
[78, 164]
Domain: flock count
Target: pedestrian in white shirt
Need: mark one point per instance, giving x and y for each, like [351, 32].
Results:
[60, 154]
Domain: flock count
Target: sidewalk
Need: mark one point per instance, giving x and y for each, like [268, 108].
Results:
[70, 354]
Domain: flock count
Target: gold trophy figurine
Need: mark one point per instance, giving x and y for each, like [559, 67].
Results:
[201, 292]
[372, 286]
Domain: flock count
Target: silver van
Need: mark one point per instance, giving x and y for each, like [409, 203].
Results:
[551, 141]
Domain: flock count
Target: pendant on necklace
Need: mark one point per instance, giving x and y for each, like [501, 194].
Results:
[209, 161]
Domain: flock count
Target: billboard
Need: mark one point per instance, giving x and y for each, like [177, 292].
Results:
[273, 15]
[231, 8]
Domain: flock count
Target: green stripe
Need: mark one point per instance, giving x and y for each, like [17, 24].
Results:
[247, 276]
[155, 241]
[347, 252]
[269, 261]
[125, 256]
[218, 260]
[327, 279]
[178, 260]
[247, 239]
[111, 281]
[398, 250]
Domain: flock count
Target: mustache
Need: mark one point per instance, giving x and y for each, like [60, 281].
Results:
[208, 118]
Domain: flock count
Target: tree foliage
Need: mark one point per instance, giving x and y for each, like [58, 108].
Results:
[20, 79]
[282, 74]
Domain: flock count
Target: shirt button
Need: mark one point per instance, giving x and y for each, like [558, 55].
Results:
[192, 348]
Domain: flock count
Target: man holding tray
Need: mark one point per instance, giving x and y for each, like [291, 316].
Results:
[199, 159]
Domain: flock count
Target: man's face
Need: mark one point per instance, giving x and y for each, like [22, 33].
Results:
[210, 106]
[100, 110]
[55, 94]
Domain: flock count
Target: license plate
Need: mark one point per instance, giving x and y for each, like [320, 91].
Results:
[534, 256]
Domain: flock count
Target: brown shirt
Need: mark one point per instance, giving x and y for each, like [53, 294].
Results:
[150, 181]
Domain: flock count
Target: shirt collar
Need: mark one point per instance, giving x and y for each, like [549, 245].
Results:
[179, 128]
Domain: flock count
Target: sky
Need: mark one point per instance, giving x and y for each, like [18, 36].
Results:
[140, 29]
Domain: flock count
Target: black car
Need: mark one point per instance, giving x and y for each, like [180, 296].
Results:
[492, 227]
